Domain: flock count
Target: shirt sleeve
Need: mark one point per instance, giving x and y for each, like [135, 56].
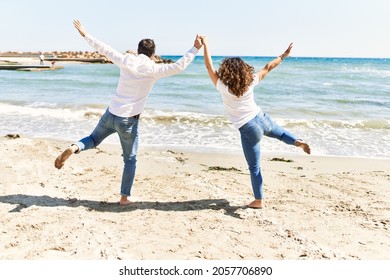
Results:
[221, 87]
[115, 56]
[256, 80]
[165, 70]
[218, 85]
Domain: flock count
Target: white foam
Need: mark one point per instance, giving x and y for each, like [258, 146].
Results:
[201, 131]
[37, 110]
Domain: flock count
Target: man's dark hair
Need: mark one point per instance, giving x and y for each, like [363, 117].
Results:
[146, 47]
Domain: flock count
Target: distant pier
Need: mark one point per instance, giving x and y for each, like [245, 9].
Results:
[20, 67]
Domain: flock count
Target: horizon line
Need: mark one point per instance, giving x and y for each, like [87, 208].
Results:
[289, 57]
[201, 55]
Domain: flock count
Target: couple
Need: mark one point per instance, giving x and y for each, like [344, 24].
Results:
[235, 80]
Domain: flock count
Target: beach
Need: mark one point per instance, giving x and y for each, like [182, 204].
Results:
[189, 205]
[192, 183]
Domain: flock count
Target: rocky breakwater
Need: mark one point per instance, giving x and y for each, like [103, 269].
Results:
[72, 56]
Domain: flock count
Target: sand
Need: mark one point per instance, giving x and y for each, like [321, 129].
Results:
[189, 206]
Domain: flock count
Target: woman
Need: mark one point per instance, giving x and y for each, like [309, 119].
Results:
[235, 80]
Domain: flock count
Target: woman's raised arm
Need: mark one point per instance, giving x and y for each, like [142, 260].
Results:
[208, 61]
[274, 63]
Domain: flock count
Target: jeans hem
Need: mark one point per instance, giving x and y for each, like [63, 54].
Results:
[79, 146]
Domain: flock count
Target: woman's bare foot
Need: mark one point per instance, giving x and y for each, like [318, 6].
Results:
[124, 201]
[256, 204]
[303, 145]
[60, 160]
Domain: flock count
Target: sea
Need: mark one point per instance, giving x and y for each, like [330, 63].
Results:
[340, 106]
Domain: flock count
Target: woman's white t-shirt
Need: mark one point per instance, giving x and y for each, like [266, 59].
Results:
[241, 109]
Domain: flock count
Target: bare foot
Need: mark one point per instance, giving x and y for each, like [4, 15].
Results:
[256, 204]
[303, 145]
[124, 201]
[60, 160]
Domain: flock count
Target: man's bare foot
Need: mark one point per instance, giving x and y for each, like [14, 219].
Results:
[124, 201]
[303, 145]
[60, 160]
[256, 204]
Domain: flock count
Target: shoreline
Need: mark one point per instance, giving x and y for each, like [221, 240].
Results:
[315, 207]
[213, 150]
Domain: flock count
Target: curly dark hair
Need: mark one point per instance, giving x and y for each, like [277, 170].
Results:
[236, 75]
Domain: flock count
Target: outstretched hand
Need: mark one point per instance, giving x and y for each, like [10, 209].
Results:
[77, 24]
[204, 40]
[287, 52]
[198, 41]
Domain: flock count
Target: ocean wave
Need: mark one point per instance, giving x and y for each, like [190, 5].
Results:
[46, 110]
[188, 118]
[200, 131]
[370, 71]
[170, 118]
[364, 102]
[337, 124]
[222, 121]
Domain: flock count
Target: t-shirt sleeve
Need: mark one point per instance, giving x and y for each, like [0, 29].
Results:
[256, 80]
[220, 86]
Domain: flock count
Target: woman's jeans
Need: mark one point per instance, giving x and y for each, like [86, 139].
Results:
[127, 129]
[251, 134]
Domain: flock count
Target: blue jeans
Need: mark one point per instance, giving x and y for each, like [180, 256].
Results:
[127, 129]
[251, 134]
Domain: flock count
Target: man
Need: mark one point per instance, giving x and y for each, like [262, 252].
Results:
[138, 74]
[41, 58]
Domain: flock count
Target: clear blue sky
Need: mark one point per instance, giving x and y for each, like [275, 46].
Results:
[327, 28]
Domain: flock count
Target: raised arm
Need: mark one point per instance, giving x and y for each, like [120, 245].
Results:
[112, 54]
[274, 63]
[208, 62]
[80, 28]
[166, 70]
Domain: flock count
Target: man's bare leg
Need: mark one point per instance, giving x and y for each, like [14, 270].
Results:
[60, 160]
[124, 200]
[303, 145]
[256, 204]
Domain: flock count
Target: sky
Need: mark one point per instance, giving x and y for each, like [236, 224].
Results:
[318, 28]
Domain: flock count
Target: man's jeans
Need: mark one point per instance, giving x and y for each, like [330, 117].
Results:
[127, 129]
[251, 134]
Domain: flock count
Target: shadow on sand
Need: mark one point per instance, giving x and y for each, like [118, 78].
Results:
[24, 201]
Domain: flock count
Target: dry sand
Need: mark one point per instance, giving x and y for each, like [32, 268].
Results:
[189, 206]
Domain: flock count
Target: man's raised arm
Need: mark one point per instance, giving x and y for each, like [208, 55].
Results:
[104, 49]
[165, 70]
